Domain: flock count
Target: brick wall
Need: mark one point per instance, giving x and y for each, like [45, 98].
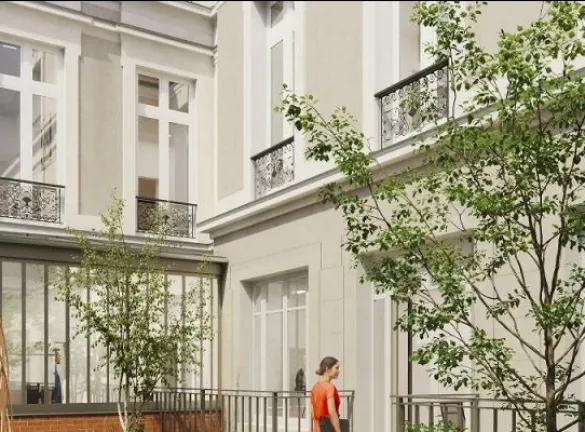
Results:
[110, 423]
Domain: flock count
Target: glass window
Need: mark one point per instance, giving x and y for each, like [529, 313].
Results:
[78, 372]
[35, 334]
[10, 132]
[179, 160]
[57, 342]
[274, 346]
[148, 153]
[98, 381]
[274, 296]
[44, 67]
[44, 125]
[276, 80]
[9, 59]
[12, 323]
[148, 90]
[179, 96]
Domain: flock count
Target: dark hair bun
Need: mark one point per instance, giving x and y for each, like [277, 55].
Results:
[326, 363]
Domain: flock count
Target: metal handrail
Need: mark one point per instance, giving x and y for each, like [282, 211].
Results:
[31, 182]
[273, 148]
[412, 78]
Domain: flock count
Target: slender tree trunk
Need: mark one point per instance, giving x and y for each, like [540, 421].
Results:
[550, 399]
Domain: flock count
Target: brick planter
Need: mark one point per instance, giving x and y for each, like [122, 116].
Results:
[110, 423]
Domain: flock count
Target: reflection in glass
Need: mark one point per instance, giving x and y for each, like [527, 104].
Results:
[44, 139]
[57, 338]
[179, 161]
[35, 331]
[273, 352]
[10, 132]
[148, 90]
[98, 381]
[147, 158]
[78, 359]
[297, 292]
[9, 59]
[12, 323]
[44, 67]
[274, 297]
[179, 96]
[276, 82]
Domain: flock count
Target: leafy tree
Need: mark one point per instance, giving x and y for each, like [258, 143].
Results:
[501, 170]
[127, 312]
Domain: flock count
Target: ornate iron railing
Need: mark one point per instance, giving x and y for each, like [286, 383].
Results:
[28, 200]
[274, 167]
[402, 104]
[178, 217]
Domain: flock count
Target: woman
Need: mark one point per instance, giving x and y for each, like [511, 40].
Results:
[325, 399]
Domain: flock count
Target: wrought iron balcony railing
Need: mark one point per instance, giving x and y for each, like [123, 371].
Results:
[402, 104]
[178, 217]
[274, 167]
[28, 200]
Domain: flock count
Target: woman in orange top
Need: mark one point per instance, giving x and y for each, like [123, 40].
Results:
[325, 399]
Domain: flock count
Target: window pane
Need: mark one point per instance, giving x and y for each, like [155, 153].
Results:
[273, 364]
[276, 82]
[12, 323]
[297, 296]
[44, 139]
[9, 59]
[98, 378]
[78, 358]
[57, 342]
[179, 96]
[9, 132]
[179, 161]
[174, 306]
[380, 399]
[147, 159]
[276, 13]
[35, 331]
[297, 351]
[257, 353]
[258, 293]
[275, 294]
[148, 90]
[44, 67]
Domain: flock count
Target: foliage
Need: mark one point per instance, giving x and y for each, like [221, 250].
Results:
[479, 238]
[126, 312]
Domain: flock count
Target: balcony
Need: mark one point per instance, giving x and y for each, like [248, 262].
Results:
[32, 201]
[274, 167]
[401, 104]
[178, 217]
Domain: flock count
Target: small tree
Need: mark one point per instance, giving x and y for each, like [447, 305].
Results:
[504, 171]
[127, 312]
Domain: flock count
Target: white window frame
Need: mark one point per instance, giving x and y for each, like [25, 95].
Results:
[164, 115]
[386, 379]
[282, 32]
[283, 310]
[28, 88]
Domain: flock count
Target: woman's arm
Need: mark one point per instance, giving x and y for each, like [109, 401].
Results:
[333, 416]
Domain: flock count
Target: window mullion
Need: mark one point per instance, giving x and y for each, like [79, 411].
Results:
[163, 139]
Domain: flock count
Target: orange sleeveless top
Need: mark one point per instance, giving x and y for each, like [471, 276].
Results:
[321, 392]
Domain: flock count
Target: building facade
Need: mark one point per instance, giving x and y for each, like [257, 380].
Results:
[170, 103]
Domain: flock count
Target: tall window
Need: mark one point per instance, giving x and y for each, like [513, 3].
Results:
[280, 63]
[163, 151]
[28, 111]
[280, 337]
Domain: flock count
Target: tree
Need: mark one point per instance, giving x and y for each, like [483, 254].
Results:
[502, 171]
[127, 312]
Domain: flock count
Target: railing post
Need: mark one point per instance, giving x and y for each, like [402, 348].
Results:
[274, 412]
[475, 423]
[581, 417]
[400, 414]
[202, 410]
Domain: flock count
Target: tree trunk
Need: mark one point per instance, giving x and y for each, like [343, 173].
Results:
[550, 399]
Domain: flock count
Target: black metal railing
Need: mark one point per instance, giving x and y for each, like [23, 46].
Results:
[240, 410]
[274, 167]
[402, 105]
[475, 414]
[29, 200]
[178, 218]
